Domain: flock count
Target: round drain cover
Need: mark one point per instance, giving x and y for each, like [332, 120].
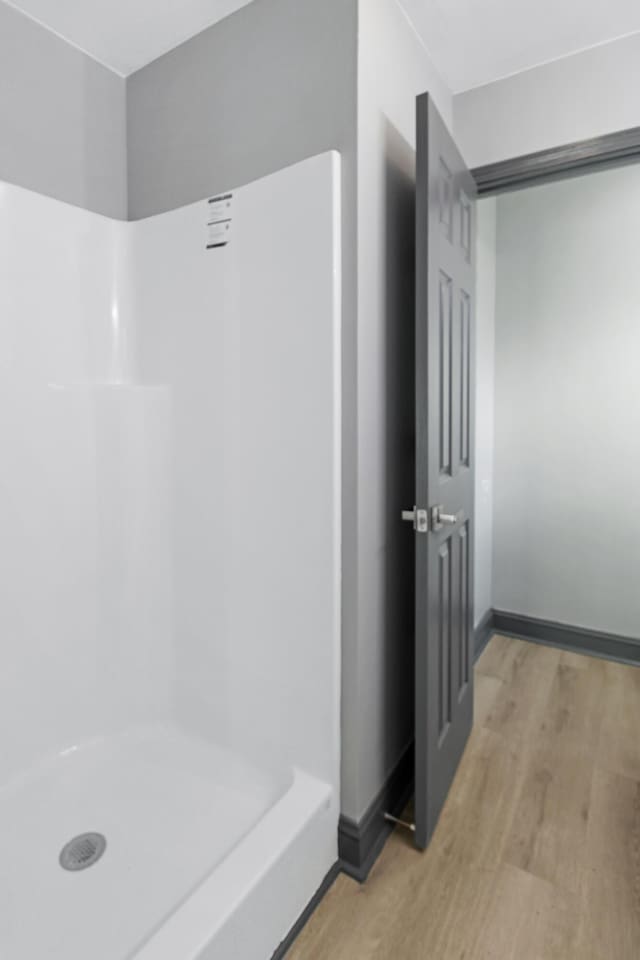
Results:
[83, 851]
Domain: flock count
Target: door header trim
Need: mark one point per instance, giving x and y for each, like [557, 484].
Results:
[611, 149]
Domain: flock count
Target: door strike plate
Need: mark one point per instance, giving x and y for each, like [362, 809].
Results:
[419, 519]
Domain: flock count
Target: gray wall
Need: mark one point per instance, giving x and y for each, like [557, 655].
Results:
[581, 96]
[485, 383]
[393, 68]
[62, 119]
[271, 85]
[567, 455]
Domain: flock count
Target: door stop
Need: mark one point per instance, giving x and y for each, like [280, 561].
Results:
[400, 823]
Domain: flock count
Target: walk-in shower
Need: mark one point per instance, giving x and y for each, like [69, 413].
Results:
[169, 571]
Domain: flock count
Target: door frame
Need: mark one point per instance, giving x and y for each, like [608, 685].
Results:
[556, 163]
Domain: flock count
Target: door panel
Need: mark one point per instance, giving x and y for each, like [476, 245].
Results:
[445, 350]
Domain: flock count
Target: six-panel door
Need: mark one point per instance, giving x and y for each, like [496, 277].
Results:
[444, 463]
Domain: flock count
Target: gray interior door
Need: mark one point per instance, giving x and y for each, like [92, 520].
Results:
[445, 360]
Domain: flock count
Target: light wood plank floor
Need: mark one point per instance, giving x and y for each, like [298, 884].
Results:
[537, 853]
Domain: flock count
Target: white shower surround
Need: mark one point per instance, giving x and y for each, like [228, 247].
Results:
[170, 571]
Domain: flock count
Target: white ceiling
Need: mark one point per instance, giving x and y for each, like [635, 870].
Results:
[475, 41]
[470, 41]
[126, 34]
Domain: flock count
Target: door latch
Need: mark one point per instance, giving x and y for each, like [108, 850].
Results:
[439, 519]
[419, 519]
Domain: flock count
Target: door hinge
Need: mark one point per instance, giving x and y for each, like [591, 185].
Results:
[419, 518]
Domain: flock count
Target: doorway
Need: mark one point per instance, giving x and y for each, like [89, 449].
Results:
[557, 404]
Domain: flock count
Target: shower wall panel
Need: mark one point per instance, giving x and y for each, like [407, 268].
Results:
[170, 490]
[241, 321]
[83, 501]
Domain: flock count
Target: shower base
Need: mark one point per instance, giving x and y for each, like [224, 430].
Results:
[171, 809]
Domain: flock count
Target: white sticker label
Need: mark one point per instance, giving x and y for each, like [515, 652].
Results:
[219, 221]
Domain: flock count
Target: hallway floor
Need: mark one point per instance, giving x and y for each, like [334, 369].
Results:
[537, 853]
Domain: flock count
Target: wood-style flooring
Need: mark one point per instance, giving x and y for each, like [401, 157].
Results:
[537, 852]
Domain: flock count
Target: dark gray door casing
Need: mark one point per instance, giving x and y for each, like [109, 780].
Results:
[556, 163]
[445, 357]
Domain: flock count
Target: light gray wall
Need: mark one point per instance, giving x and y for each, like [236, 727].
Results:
[62, 119]
[270, 85]
[567, 460]
[585, 95]
[485, 353]
[393, 68]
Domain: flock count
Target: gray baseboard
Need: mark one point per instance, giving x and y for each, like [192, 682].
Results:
[359, 843]
[482, 634]
[608, 646]
[305, 916]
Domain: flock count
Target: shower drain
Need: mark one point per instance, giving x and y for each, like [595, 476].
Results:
[83, 851]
